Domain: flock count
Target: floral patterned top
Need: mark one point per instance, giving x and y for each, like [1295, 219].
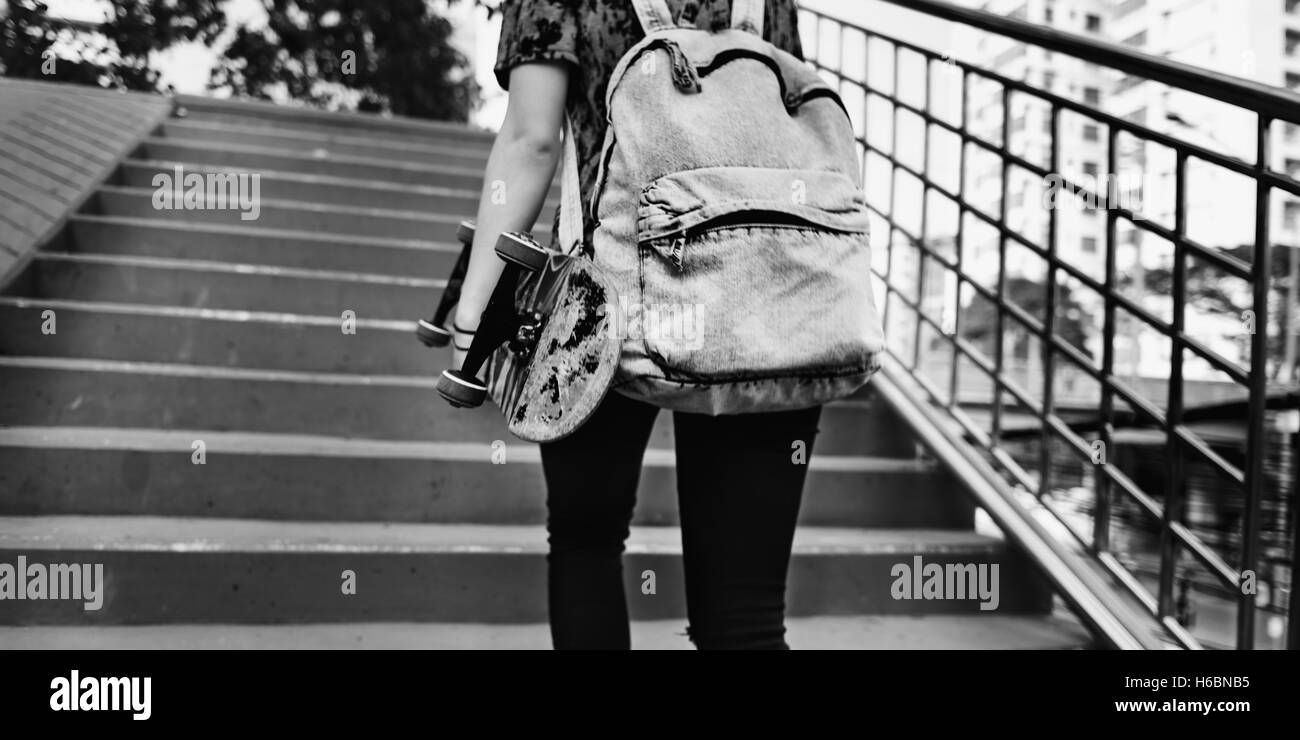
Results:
[592, 36]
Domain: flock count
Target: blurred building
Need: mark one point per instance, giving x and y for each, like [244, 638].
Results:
[1257, 40]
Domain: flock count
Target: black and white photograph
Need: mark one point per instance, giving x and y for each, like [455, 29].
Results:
[922, 326]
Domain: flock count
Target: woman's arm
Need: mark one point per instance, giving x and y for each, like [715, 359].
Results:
[518, 176]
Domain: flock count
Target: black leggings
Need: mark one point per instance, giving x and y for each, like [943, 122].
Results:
[738, 490]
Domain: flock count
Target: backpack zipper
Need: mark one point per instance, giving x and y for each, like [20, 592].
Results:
[684, 75]
[677, 247]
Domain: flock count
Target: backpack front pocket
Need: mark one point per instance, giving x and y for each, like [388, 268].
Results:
[749, 273]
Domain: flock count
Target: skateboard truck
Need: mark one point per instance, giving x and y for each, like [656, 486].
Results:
[530, 326]
[500, 322]
[432, 332]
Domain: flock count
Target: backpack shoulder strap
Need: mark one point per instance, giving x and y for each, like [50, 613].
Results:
[654, 15]
[570, 236]
[747, 15]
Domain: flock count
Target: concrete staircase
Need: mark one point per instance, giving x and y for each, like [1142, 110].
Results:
[329, 452]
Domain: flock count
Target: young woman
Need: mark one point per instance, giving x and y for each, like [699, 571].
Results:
[738, 484]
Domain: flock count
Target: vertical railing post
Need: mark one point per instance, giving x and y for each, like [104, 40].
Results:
[1261, 272]
[1049, 321]
[961, 241]
[925, 224]
[1001, 313]
[893, 193]
[866, 117]
[1106, 429]
[1174, 494]
[1293, 608]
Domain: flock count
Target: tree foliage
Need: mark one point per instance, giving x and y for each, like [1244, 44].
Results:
[393, 57]
[979, 320]
[116, 53]
[1206, 288]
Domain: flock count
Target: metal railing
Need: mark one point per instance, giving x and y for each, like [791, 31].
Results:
[916, 264]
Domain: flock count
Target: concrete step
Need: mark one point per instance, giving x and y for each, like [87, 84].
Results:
[330, 189]
[76, 392]
[169, 570]
[327, 145]
[212, 336]
[222, 285]
[320, 189]
[255, 245]
[381, 128]
[98, 471]
[232, 338]
[253, 159]
[932, 632]
[293, 215]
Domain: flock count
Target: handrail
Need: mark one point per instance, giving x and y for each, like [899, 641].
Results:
[902, 291]
[1081, 588]
[1271, 101]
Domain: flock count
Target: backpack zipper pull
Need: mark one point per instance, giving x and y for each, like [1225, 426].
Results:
[678, 246]
[684, 76]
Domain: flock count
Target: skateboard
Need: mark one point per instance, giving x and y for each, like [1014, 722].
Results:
[434, 331]
[548, 338]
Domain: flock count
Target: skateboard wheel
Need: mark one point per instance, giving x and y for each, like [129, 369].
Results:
[521, 249]
[461, 391]
[465, 231]
[432, 335]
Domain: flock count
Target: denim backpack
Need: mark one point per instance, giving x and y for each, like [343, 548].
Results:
[728, 209]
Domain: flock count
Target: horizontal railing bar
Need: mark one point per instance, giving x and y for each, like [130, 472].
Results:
[1067, 429]
[1120, 573]
[1180, 636]
[1149, 505]
[1181, 633]
[992, 221]
[1072, 439]
[1232, 164]
[1001, 383]
[1035, 409]
[1067, 434]
[1008, 462]
[1141, 405]
[1229, 264]
[1221, 363]
[1226, 262]
[1226, 574]
[1184, 340]
[1236, 267]
[1052, 508]
[1243, 93]
[1190, 438]
[984, 441]
[1185, 434]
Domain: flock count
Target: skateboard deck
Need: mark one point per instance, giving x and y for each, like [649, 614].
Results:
[553, 332]
[548, 392]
